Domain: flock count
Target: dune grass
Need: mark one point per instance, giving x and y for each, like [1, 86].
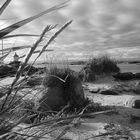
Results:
[102, 65]
[9, 103]
[67, 85]
[16, 109]
[56, 74]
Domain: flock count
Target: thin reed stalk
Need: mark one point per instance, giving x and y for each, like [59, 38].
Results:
[4, 6]
[68, 118]
[21, 68]
[52, 38]
[9, 29]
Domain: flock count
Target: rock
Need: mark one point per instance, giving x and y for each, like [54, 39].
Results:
[137, 76]
[108, 92]
[136, 104]
[7, 70]
[94, 90]
[124, 76]
[35, 81]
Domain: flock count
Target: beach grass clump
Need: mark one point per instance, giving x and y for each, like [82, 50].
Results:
[55, 75]
[102, 65]
[62, 87]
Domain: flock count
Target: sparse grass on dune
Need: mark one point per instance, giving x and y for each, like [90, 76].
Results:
[56, 74]
[102, 65]
[63, 86]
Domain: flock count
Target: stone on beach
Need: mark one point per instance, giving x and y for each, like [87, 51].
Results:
[124, 76]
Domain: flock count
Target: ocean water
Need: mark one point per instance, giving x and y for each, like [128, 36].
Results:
[124, 67]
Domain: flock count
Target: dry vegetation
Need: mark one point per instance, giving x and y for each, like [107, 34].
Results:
[102, 65]
[35, 107]
[16, 108]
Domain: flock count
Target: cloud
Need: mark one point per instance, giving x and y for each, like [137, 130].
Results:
[98, 25]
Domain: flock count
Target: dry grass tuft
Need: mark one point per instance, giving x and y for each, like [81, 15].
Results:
[103, 65]
[63, 87]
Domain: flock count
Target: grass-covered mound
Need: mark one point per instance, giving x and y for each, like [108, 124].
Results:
[103, 65]
[62, 87]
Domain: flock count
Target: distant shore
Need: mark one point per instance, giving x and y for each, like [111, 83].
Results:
[125, 66]
[82, 62]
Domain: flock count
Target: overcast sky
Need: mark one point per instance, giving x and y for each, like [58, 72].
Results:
[99, 26]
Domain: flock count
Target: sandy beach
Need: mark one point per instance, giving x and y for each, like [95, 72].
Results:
[125, 122]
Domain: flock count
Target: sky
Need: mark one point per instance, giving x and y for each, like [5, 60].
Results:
[99, 27]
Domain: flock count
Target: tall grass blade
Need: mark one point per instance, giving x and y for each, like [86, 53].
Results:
[69, 118]
[15, 48]
[53, 37]
[4, 6]
[20, 70]
[15, 26]
[4, 56]
[44, 51]
[19, 35]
